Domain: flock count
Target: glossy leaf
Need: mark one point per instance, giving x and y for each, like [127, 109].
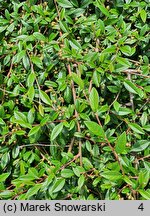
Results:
[95, 128]
[94, 99]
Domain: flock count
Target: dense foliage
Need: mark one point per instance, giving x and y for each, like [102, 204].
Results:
[74, 99]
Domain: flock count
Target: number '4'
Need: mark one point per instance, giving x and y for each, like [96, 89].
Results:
[141, 207]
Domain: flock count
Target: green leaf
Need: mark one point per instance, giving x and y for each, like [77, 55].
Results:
[144, 118]
[30, 79]
[123, 61]
[67, 173]
[56, 131]
[65, 3]
[45, 98]
[94, 99]
[143, 15]
[95, 128]
[140, 145]
[33, 190]
[121, 143]
[145, 194]
[124, 111]
[116, 106]
[136, 128]
[131, 87]
[34, 130]
[31, 93]
[126, 50]
[37, 61]
[107, 119]
[75, 44]
[2, 122]
[4, 176]
[143, 178]
[39, 36]
[102, 8]
[20, 116]
[58, 185]
[111, 175]
[77, 80]
[81, 181]
[111, 49]
[87, 163]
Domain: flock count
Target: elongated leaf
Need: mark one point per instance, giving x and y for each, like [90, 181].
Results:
[78, 80]
[143, 15]
[20, 116]
[112, 175]
[95, 128]
[65, 3]
[4, 176]
[56, 131]
[145, 194]
[140, 146]
[58, 185]
[39, 36]
[102, 8]
[131, 87]
[121, 143]
[33, 190]
[44, 97]
[136, 128]
[94, 99]
[34, 130]
[75, 44]
[67, 173]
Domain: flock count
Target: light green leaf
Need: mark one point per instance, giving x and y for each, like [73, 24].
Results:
[143, 15]
[87, 163]
[65, 3]
[77, 80]
[75, 44]
[123, 61]
[20, 116]
[30, 79]
[121, 143]
[145, 194]
[136, 128]
[56, 131]
[116, 106]
[95, 128]
[110, 49]
[4, 176]
[102, 8]
[67, 173]
[58, 185]
[33, 190]
[131, 87]
[111, 175]
[39, 36]
[81, 181]
[37, 61]
[31, 93]
[140, 146]
[94, 99]
[126, 50]
[34, 130]
[44, 97]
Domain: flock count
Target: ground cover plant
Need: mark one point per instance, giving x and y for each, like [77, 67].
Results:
[74, 99]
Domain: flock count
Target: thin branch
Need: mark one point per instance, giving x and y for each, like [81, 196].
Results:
[67, 164]
[71, 144]
[76, 113]
[135, 72]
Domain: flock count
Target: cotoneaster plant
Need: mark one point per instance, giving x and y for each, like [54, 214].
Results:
[74, 100]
